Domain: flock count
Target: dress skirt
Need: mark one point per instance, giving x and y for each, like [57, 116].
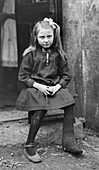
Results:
[33, 99]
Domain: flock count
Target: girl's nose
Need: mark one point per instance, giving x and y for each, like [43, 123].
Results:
[46, 39]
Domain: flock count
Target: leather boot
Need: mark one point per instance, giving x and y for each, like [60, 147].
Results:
[69, 142]
[29, 149]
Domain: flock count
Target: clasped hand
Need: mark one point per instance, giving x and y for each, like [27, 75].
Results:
[47, 90]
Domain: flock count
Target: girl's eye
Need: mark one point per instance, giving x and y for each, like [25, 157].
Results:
[49, 36]
[42, 37]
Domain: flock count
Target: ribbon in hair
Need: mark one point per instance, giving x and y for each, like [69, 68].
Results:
[53, 24]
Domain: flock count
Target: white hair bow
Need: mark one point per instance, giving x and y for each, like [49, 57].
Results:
[53, 24]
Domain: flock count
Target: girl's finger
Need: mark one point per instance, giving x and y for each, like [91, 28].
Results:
[45, 93]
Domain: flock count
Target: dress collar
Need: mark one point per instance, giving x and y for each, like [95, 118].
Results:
[46, 50]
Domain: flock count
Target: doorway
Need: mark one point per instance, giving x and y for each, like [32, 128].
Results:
[28, 12]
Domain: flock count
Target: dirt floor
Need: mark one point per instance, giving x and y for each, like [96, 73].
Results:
[48, 143]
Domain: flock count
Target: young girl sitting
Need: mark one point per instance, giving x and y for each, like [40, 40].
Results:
[45, 74]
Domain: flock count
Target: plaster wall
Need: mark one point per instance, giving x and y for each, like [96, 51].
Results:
[81, 42]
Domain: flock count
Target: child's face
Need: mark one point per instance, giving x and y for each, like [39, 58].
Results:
[45, 37]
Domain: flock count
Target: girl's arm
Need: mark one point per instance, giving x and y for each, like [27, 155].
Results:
[25, 70]
[25, 74]
[64, 73]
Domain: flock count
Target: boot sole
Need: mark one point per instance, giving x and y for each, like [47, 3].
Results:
[72, 152]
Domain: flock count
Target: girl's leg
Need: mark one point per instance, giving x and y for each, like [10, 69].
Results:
[34, 127]
[35, 124]
[69, 142]
[30, 114]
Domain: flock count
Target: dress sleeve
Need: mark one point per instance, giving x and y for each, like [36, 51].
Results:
[25, 70]
[64, 73]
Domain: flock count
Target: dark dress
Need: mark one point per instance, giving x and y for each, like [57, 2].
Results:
[35, 69]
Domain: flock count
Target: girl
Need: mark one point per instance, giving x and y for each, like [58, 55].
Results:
[45, 74]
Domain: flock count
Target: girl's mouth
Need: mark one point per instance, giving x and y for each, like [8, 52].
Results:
[46, 45]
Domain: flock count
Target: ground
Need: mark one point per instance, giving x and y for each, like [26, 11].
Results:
[13, 135]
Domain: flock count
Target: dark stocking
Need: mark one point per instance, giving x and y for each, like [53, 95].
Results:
[34, 127]
[68, 141]
[68, 122]
[30, 114]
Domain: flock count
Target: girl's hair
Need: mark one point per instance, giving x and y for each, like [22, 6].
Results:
[47, 23]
